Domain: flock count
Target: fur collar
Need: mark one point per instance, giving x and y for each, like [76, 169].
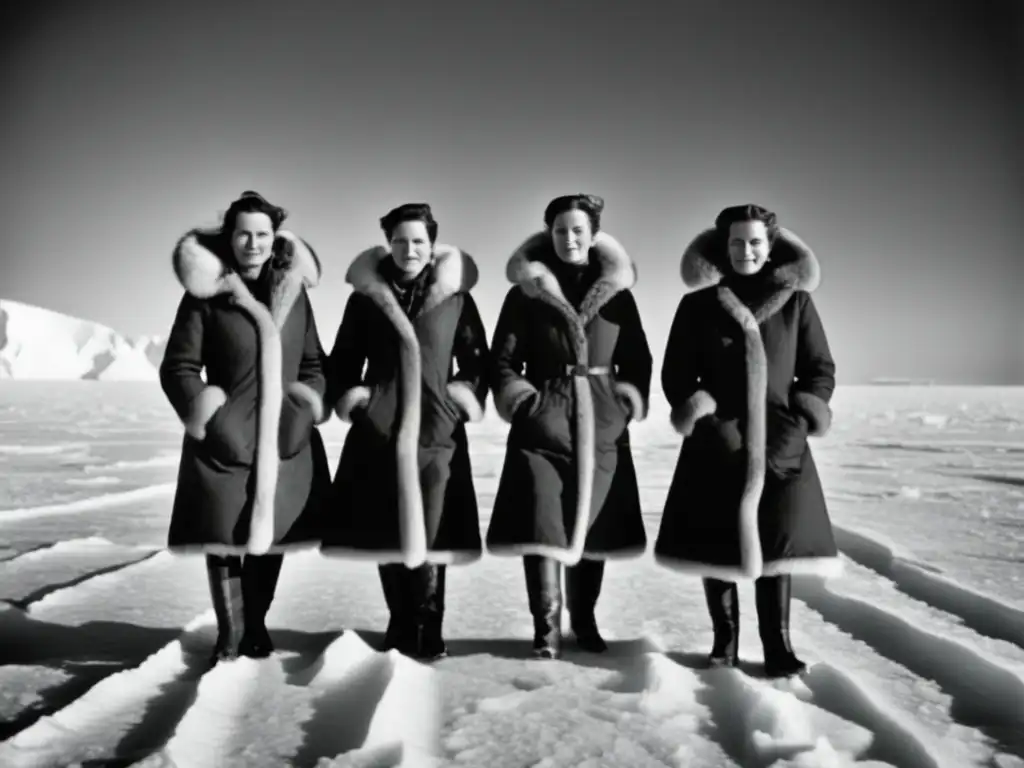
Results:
[455, 271]
[527, 269]
[793, 263]
[205, 274]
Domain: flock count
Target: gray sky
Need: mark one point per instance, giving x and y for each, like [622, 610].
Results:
[884, 133]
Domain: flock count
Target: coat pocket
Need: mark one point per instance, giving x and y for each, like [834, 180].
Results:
[231, 433]
[543, 421]
[786, 441]
[295, 427]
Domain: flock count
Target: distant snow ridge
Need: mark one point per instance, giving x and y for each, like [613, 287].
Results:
[39, 344]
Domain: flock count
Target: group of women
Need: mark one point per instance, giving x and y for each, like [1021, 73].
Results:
[747, 371]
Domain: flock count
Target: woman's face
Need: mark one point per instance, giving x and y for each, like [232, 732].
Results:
[572, 236]
[748, 247]
[252, 241]
[411, 249]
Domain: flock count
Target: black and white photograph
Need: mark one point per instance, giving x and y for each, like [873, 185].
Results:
[525, 384]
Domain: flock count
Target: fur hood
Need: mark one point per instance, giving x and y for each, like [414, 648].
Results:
[528, 268]
[792, 262]
[454, 272]
[204, 273]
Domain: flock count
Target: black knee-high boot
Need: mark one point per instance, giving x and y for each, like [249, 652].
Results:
[773, 601]
[429, 606]
[583, 587]
[724, 608]
[259, 584]
[396, 583]
[225, 578]
[544, 592]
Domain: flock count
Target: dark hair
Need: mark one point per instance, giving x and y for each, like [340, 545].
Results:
[409, 212]
[749, 212]
[592, 205]
[252, 202]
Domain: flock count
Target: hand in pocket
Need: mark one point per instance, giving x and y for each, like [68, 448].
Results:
[229, 437]
[295, 427]
[726, 435]
[787, 442]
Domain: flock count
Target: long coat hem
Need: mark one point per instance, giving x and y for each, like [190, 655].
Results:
[226, 550]
[562, 555]
[395, 556]
[826, 567]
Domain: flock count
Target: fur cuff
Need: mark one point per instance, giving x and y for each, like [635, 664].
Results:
[817, 412]
[627, 391]
[201, 410]
[357, 397]
[697, 406]
[311, 396]
[511, 396]
[465, 398]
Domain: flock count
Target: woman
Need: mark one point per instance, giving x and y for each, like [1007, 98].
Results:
[253, 473]
[403, 492]
[572, 368]
[749, 376]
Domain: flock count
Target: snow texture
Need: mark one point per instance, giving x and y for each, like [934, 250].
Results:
[916, 654]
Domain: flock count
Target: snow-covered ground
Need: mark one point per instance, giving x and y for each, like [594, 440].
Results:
[917, 651]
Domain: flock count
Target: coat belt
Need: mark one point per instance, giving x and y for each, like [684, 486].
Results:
[583, 370]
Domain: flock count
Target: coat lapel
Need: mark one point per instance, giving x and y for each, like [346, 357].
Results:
[205, 274]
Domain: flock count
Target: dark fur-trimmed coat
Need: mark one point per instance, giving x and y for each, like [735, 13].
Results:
[569, 380]
[749, 380]
[403, 491]
[253, 474]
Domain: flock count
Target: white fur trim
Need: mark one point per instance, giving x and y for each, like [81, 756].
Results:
[629, 392]
[202, 409]
[586, 441]
[561, 554]
[395, 557]
[626, 553]
[817, 412]
[357, 397]
[826, 567]
[701, 267]
[224, 550]
[703, 570]
[755, 437]
[261, 524]
[465, 398]
[510, 396]
[697, 406]
[200, 271]
[311, 396]
[304, 261]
